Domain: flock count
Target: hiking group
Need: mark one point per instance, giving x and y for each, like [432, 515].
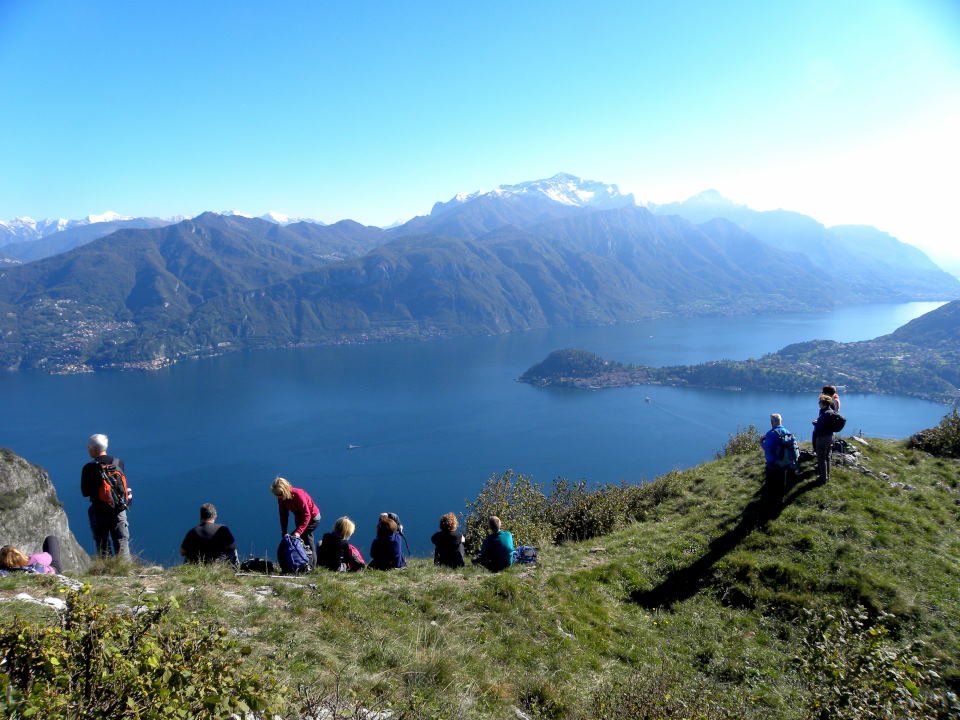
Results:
[103, 480]
[782, 451]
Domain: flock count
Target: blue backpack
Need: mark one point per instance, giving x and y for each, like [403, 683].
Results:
[525, 555]
[292, 555]
[788, 453]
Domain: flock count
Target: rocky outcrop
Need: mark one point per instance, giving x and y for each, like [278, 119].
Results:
[30, 510]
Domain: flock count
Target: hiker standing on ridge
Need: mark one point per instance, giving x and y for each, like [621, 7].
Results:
[827, 422]
[103, 481]
[781, 452]
[306, 514]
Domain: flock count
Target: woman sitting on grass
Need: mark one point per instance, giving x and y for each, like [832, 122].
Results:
[386, 552]
[448, 543]
[335, 552]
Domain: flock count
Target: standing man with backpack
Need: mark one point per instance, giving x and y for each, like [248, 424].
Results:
[103, 481]
[781, 451]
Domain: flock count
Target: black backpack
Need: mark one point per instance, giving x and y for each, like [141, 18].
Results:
[257, 565]
[834, 421]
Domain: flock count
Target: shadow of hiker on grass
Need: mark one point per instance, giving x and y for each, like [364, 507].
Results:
[767, 504]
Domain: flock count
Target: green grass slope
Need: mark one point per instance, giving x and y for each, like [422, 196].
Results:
[704, 605]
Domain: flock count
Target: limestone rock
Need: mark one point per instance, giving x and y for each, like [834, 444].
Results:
[30, 510]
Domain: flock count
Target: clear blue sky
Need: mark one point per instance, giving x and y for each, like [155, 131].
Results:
[849, 111]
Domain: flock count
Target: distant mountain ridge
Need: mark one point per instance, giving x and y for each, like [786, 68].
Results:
[74, 236]
[26, 240]
[127, 299]
[864, 263]
[511, 259]
[25, 228]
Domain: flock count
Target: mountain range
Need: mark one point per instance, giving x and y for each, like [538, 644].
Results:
[24, 239]
[559, 251]
[864, 262]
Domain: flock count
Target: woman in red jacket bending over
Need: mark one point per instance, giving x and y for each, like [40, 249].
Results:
[306, 514]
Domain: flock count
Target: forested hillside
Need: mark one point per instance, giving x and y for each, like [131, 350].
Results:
[920, 359]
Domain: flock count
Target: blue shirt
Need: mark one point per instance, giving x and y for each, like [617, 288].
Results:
[771, 443]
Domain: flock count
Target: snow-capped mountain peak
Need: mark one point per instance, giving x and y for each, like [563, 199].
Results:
[276, 217]
[281, 219]
[108, 216]
[562, 188]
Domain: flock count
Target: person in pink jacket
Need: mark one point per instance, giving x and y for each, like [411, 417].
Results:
[306, 514]
[41, 563]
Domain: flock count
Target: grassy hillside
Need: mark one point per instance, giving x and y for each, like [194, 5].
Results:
[705, 602]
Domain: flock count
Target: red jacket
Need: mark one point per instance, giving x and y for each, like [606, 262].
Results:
[302, 506]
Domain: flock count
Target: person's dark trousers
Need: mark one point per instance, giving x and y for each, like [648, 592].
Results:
[51, 545]
[307, 538]
[109, 528]
[775, 480]
[821, 446]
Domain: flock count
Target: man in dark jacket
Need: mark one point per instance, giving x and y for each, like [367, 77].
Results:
[209, 541]
[108, 522]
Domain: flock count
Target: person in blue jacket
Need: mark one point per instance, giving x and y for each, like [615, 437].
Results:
[496, 552]
[776, 474]
[386, 552]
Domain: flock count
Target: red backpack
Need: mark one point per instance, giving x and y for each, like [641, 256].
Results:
[113, 486]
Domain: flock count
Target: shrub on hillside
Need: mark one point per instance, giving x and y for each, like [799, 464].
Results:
[518, 501]
[569, 512]
[576, 513]
[99, 662]
[853, 671]
[663, 694]
[744, 440]
[943, 440]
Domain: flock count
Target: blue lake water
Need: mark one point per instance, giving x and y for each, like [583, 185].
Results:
[433, 421]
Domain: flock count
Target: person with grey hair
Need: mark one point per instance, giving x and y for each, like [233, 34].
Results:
[209, 541]
[104, 482]
[780, 451]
